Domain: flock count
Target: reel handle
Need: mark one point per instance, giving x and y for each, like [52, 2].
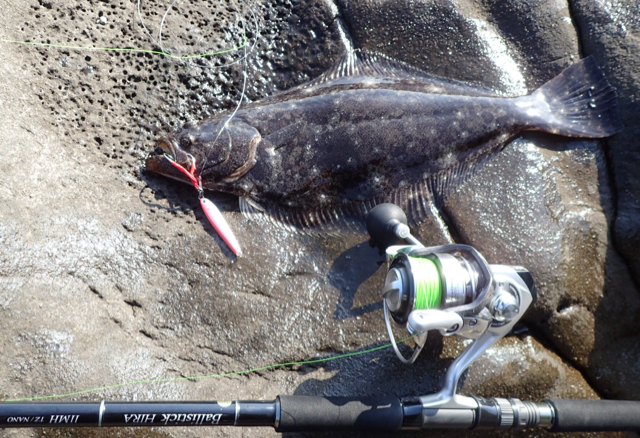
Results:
[387, 223]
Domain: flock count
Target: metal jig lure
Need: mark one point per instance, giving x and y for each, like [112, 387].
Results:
[210, 210]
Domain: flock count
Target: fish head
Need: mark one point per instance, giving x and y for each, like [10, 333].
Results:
[222, 153]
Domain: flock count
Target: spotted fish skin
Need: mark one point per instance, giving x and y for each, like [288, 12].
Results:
[374, 130]
[362, 144]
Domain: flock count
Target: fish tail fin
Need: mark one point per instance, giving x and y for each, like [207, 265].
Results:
[580, 102]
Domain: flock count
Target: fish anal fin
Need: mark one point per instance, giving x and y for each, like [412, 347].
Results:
[334, 220]
[250, 208]
[419, 201]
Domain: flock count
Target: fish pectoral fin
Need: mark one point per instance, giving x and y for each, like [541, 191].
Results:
[282, 137]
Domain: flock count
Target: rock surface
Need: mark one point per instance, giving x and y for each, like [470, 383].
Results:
[609, 31]
[111, 275]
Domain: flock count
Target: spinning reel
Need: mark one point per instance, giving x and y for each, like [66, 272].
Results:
[450, 289]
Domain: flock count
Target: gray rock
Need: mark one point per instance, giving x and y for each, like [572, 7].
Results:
[609, 31]
[511, 46]
[548, 217]
[546, 202]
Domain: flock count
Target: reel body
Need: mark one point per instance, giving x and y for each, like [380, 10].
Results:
[452, 289]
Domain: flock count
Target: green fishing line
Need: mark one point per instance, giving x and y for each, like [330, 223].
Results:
[427, 283]
[209, 376]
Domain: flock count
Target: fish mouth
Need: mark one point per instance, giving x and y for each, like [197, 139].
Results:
[167, 150]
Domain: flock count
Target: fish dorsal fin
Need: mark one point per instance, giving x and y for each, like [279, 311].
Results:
[419, 201]
[362, 63]
[392, 73]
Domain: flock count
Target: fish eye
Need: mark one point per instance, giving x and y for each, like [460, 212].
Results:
[185, 141]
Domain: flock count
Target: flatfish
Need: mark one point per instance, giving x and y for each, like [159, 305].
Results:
[372, 129]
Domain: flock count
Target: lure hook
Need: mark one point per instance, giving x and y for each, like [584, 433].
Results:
[210, 210]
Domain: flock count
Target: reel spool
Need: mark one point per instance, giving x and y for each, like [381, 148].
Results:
[449, 288]
[427, 279]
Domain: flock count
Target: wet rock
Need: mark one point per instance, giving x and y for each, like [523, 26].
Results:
[511, 46]
[524, 369]
[549, 213]
[609, 31]
[606, 369]
[546, 203]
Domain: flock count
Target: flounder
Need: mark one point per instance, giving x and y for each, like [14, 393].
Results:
[370, 130]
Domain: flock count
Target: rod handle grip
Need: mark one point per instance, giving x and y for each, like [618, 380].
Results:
[595, 415]
[304, 413]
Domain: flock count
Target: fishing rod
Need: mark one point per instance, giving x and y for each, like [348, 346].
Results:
[450, 289]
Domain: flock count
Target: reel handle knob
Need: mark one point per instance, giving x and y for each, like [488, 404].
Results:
[387, 223]
[434, 319]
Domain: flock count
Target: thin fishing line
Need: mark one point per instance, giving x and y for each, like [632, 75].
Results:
[131, 49]
[244, 88]
[142, 23]
[162, 52]
[208, 376]
[158, 42]
[239, 22]
[256, 28]
[164, 17]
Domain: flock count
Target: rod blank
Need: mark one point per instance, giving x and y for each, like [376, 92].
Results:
[258, 413]
[302, 413]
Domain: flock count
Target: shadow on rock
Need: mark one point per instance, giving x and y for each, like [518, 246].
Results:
[594, 322]
[352, 268]
[516, 367]
[179, 196]
[612, 365]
